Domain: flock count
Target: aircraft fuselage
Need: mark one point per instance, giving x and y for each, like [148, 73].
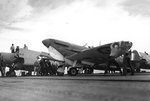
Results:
[70, 53]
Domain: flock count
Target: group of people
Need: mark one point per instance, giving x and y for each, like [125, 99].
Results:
[44, 67]
[15, 50]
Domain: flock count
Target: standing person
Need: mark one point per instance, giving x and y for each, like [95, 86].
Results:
[12, 48]
[25, 46]
[111, 58]
[37, 67]
[127, 63]
[2, 68]
[112, 61]
[17, 49]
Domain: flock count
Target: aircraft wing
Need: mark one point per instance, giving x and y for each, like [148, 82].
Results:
[101, 53]
[98, 54]
[46, 55]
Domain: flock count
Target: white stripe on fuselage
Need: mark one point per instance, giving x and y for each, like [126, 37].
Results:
[55, 54]
[58, 56]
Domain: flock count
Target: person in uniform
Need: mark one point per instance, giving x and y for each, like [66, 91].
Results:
[12, 48]
[25, 46]
[2, 67]
[127, 63]
[37, 67]
[111, 58]
[17, 52]
[17, 49]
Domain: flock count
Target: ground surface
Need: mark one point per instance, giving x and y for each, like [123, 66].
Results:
[78, 88]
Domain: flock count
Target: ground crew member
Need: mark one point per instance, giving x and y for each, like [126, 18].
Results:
[127, 63]
[12, 48]
[49, 67]
[112, 61]
[2, 68]
[25, 46]
[43, 67]
[37, 67]
[111, 58]
[17, 49]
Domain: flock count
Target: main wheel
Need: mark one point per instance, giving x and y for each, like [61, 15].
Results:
[73, 72]
[11, 74]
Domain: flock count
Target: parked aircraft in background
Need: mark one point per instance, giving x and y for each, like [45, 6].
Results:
[24, 60]
[139, 60]
[79, 57]
[143, 61]
[145, 56]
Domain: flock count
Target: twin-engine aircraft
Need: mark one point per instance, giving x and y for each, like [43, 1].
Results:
[24, 60]
[79, 57]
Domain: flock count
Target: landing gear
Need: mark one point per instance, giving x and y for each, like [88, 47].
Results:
[73, 71]
[78, 68]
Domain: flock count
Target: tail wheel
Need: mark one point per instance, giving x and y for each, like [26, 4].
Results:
[73, 72]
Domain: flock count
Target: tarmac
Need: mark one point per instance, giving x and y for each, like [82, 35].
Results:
[97, 87]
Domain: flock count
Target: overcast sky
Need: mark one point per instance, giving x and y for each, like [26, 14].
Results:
[76, 21]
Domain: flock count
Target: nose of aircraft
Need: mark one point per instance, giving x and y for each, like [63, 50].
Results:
[46, 42]
[124, 46]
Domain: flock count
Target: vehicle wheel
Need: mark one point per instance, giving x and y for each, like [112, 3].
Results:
[73, 72]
